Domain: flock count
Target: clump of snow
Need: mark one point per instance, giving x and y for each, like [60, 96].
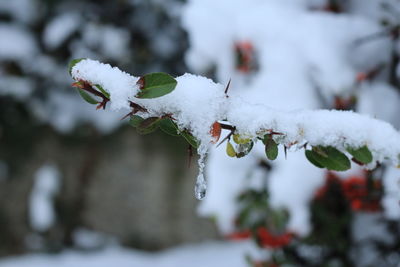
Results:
[391, 199]
[113, 42]
[121, 86]
[22, 10]
[18, 87]
[18, 45]
[196, 103]
[41, 207]
[59, 29]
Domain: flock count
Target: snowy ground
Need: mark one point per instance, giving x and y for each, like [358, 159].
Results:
[208, 254]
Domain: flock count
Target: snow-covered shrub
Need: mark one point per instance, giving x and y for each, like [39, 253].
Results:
[278, 63]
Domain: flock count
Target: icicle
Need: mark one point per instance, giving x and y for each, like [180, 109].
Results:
[200, 188]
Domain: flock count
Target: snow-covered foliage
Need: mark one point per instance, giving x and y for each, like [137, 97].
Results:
[305, 58]
[38, 37]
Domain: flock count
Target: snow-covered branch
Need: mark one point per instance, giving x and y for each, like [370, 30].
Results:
[196, 107]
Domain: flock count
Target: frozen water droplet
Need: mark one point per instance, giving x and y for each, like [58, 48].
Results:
[201, 184]
[201, 187]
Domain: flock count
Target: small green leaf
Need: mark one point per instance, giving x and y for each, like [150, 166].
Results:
[190, 139]
[330, 158]
[149, 122]
[102, 90]
[230, 151]
[144, 126]
[155, 85]
[238, 139]
[310, 157]
[168, 126]
[271, 148]
[72, 63]
[135, 120]
[87, 97]
[361, 154]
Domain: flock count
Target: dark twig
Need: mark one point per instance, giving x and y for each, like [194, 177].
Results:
[227, 127]
[227, 87]
[226, 138]
[84, 85]
[135, 109]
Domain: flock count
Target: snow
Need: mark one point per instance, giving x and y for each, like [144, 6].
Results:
[18, 45]
[391, 199]
[121, 86]
[59, 29]
[41, 208]
[65, 111]
[197, 102]
[305, 58]
[113, 42]
[22, 10]
[208, 254]
[18, 87]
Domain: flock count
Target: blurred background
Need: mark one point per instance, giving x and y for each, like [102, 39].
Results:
[79, 187]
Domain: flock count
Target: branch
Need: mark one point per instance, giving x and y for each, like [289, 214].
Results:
[195, 103]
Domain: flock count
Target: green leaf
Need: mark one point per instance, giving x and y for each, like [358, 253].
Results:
[72, 63]
[230, 151]
[271, 149]
[135, 120]
[240, 139]
[155, 85]
[361, 154]
[330, 158]
[87, 97]
[102, 90]
[148, 125]
[149, 122]
[190, 139]
[168, 126]
[310, 157]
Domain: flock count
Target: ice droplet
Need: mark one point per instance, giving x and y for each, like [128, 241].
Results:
[200, 188]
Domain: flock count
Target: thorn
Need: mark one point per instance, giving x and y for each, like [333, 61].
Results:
[227, 87]
[226, 138]
[276, 133]
[77, 85]
[126, 116]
